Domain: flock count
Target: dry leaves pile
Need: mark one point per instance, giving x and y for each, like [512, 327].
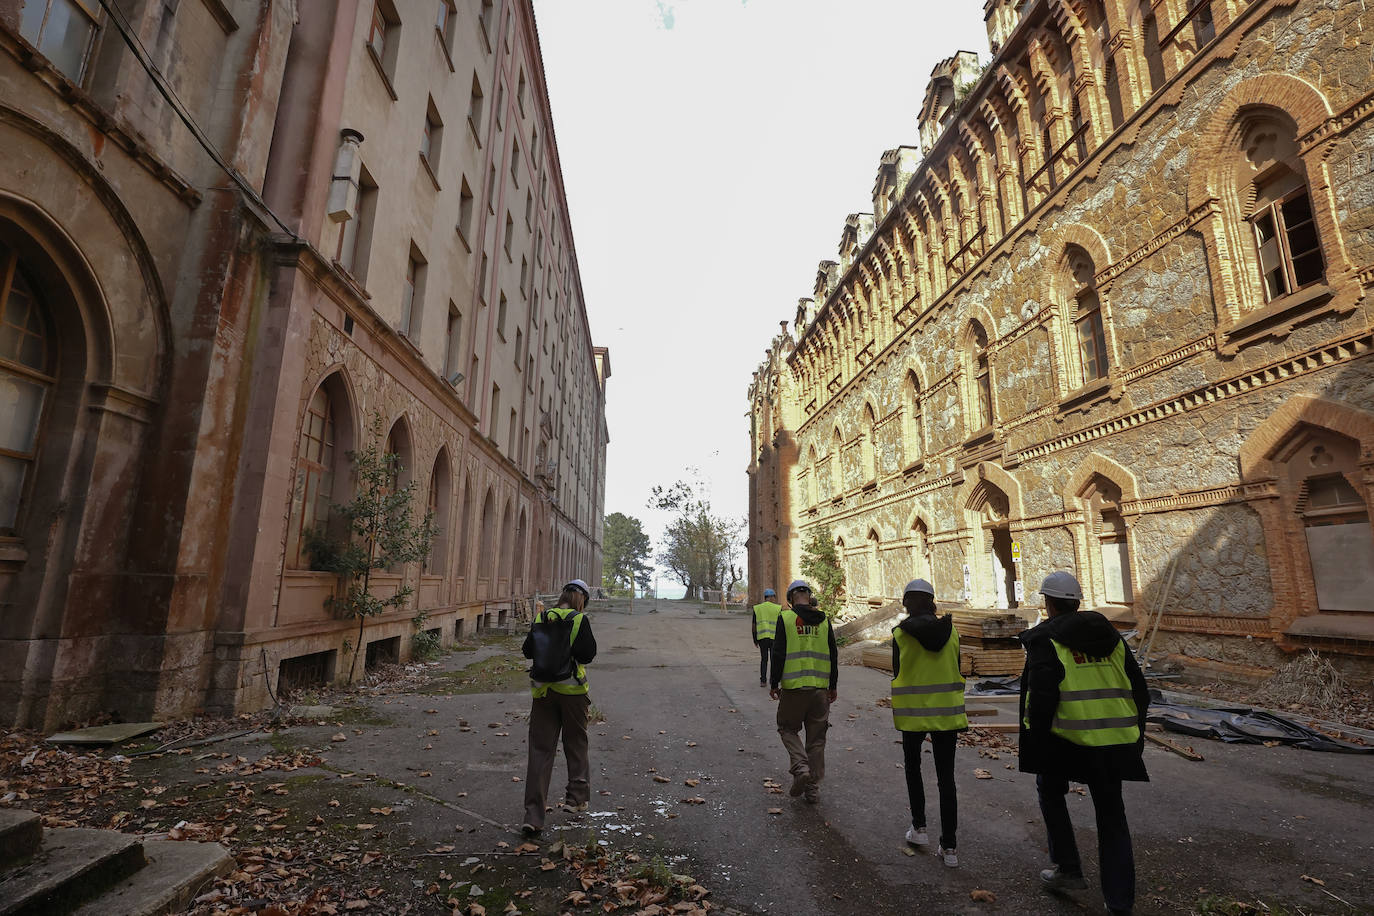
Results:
[986, 738]
[611, 883]
[61, 785]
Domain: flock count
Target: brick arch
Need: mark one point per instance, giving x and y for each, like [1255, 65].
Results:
[1097, 463]
[1269, 436]
[1085, 237]
[1296, 97]
[998, 477]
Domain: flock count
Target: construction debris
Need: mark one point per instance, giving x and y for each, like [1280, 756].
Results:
[988, 643]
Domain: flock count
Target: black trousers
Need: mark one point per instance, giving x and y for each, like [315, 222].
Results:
[1114, 855]
[942, 749]
[765, 650]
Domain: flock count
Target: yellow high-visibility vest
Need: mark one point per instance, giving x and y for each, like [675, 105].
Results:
[807, 663]
[766, 619]
[1096, 704]
[928, 691]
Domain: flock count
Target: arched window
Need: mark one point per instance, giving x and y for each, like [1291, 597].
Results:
[1154, 54]
[869, 450]
[813, 482]
[436, 564]
[836, 464]
[464, 568]
[1275, 201]
[398, 453]
[28, 373]
[913, 434]
[979, 368]
[1083, 313]
[875, 565]
[487, 544]
[920, 549]
[519, 570]
[1110, 539]
[321, 466]
[507, 543]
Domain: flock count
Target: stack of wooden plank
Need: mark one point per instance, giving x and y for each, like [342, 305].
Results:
[988, 644]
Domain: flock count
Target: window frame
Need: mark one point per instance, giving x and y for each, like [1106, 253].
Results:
[1274, 210]
[47, 378]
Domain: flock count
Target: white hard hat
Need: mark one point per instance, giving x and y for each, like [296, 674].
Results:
[1060, 584]
[798, 583]
[920, 585]
[580, 586]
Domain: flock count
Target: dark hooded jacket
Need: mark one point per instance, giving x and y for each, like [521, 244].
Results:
[930, 631]
[810, 616]
[1042, 751]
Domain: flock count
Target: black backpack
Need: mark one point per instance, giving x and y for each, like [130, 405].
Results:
[551, 638]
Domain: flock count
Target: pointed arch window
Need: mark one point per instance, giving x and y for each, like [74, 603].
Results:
[1102, 501]
[27, 375]
[310, 507]
[1085, 313]
[836, 464]
[869, 447]
[913, 435]
[920, 549]
[980, 370]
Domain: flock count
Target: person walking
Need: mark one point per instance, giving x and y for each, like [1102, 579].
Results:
[561, 644]
[765, 623]
[1083, 706]
[803, 676]
[928, 699]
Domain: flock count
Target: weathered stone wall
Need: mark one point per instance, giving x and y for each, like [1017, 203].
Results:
[1199, 362]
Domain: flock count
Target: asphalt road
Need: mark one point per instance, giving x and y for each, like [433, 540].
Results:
[680, 696]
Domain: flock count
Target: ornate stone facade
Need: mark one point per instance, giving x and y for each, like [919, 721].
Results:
[1114, 320]
[234, 234]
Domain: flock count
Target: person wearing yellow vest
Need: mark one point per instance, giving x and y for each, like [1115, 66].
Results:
[560, 708]
[803, 675]
[928, 699]
[765, 622]
[1083, 706]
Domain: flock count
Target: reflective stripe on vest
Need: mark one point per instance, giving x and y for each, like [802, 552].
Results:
[807, 662]
[928, 691]
[1096, 704]
[578, 682]
[766, 619]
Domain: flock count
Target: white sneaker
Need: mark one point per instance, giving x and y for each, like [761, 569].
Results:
[950, 857]
[917, 837]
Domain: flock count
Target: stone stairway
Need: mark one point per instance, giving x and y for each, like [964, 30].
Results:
[89, 872]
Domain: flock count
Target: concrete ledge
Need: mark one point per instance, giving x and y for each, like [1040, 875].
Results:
[73, 865]
[176, 872]
[21, 833]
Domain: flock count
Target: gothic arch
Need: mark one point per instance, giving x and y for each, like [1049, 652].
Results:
[987, 471]
[1297, 98]
[1269, 436]
[1096, 463]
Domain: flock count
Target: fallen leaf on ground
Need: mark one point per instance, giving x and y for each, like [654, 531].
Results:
[775, 811]
[660, 778]
[1317, 881]
[982, 896]
[692, 782]
[982, 773]
[339, 737]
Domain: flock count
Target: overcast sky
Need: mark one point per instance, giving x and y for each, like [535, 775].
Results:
[711, 150]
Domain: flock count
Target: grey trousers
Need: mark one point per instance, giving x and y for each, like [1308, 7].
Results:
[809, 708]
[550, 715]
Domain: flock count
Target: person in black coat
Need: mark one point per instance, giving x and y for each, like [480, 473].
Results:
[1057, 761]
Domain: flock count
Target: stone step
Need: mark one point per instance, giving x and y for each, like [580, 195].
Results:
[176, 873]
[72, 866]
[21, 832]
